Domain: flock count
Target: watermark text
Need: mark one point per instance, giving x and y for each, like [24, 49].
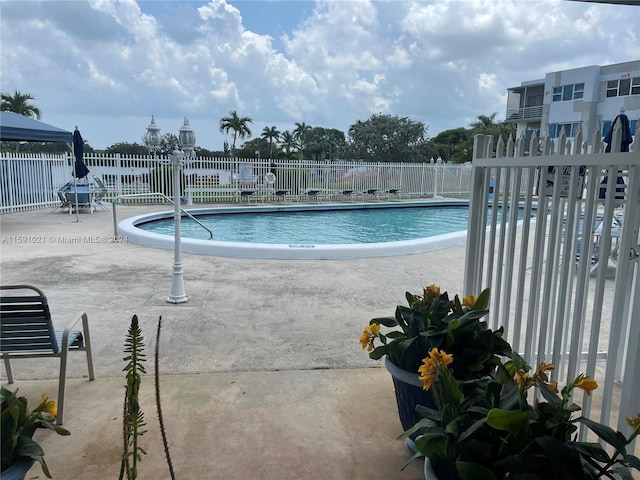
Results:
[59, 239]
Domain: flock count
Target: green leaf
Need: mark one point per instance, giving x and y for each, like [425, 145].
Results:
[474, 471]
[395, 335]
[429, 413]
[9, 425]
[471, 316]
[622, 473]
[422, 424]
[512, 421]
[432, 445]
[379, 352]
[386, 321]
[482, 302]
[615, 439]
[633, 461]
[554, 400]
[27, 447]
[471, 430]
[593, 450]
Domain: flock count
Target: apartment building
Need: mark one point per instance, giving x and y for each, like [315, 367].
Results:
[580, 96]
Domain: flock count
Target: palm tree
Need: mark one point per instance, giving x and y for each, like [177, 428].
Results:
[273, 135]
[19, 103]
[288, 140]
[236, 124]
[298, 134]
[484, 122]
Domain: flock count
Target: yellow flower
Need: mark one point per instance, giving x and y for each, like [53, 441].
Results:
[542, 369]
[48, 406]
[433, 290]
[440, 357]
[585, 383]
[368, 336]
[428, 373]
[523, 379]
[469, 301]
[429, 368]
[634, 422]
[553, 387]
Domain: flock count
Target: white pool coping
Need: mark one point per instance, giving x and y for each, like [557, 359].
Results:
[128, 229]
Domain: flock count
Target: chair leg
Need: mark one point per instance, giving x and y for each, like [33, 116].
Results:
[7, 367]
[62, 383]
[87, 345]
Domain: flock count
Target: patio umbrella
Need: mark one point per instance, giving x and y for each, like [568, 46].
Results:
[626, 133]
[80, 170]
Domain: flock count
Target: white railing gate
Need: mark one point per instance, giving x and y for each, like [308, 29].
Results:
[563, 266]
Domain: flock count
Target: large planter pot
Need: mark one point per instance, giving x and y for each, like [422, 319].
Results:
[18, 471]
[429, 474]
[409, 394]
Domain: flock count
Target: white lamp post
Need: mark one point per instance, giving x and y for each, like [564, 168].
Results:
[152, 138]
[177, 293]
[187, 142]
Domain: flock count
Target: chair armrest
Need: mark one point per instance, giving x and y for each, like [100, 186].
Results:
[85, 329]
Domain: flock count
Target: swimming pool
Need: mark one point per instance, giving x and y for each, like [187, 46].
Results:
[310, 231]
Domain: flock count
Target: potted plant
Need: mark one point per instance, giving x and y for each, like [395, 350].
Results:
[432, 320]
[19, 449]
[489, 428]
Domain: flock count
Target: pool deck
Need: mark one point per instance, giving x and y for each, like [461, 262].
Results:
[262, 374]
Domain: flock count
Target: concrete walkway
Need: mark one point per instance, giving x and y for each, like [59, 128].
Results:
[262, 372]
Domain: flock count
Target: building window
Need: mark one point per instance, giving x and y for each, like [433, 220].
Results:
[568, 92]
[570, 129]
[578, 91]
[623, 87]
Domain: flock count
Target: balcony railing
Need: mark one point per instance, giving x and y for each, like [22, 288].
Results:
[525, 113]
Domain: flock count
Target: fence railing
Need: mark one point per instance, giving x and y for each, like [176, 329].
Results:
[565, 280]
[32, 181]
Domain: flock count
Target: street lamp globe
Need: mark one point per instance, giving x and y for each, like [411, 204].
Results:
[186, 138]
[152, 138]
[187, 142]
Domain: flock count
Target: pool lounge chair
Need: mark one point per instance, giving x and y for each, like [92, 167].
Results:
[99, 193]
[27, 332]
[371, 192]
[393, 191]
[311, 193]
[248, 194]
[349, 193]
[283, 194]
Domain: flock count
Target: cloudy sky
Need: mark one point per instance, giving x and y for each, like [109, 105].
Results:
[107, 65]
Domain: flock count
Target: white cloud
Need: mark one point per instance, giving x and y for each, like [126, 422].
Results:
[113, 64]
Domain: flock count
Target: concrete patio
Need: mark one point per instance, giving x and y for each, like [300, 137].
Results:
[262, 374]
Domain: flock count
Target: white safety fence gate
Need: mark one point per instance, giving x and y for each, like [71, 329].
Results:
[563, 268]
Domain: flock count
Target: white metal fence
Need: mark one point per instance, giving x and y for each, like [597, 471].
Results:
[565, 281]
[32, 181]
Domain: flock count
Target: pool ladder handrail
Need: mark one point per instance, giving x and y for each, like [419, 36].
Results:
[117, 199]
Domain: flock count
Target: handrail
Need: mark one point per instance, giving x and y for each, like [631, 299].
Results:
[150, 195]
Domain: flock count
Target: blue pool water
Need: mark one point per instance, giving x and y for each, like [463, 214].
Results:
[323, 227]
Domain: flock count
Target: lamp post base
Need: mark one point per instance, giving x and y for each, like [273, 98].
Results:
[176, 300]
[177, 293]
